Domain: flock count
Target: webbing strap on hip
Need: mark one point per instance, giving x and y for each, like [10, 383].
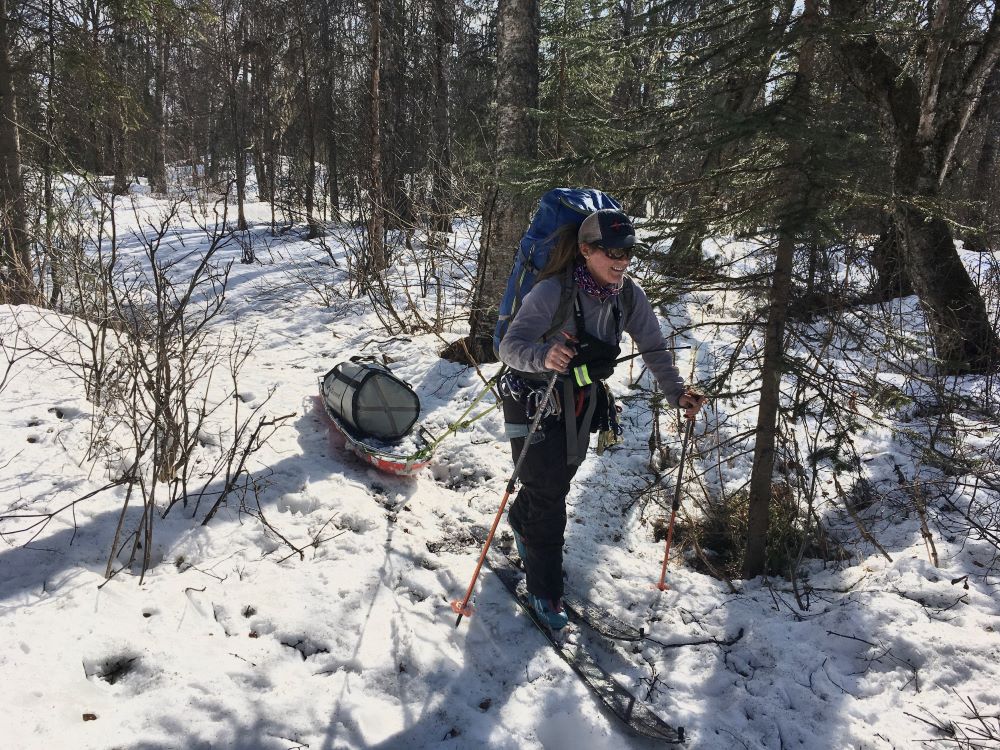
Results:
[577, 440]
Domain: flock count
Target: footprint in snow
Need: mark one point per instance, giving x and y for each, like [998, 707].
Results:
[111, 669]
[305, 646]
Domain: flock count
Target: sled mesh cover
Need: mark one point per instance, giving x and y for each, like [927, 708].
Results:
[371, 400]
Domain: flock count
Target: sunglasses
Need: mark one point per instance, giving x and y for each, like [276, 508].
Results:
[616, 253]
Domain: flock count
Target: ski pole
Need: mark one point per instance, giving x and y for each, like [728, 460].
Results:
[462, 608]
[650, 351]
[676, 504]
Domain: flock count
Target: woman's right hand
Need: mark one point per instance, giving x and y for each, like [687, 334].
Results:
[558, 357]
[691, 402]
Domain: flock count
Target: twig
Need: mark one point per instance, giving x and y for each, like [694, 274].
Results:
[706, 642]
[925, 532]
[857, 521]
[886, 651]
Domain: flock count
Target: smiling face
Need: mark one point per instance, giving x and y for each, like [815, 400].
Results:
[606, 271]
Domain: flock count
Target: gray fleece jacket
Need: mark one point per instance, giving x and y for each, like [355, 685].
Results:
[522, 348]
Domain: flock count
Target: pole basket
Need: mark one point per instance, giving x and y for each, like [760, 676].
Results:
[461, 608]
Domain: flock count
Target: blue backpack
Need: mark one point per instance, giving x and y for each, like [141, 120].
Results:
[557, 208]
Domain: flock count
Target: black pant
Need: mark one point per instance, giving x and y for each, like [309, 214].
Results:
[538, 513]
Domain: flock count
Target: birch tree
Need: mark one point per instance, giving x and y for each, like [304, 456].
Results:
[926, 108]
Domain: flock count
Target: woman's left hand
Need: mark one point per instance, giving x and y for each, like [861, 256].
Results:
[691, 402]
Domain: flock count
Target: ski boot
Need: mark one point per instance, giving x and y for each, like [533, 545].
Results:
[550, 612]
[519, 543]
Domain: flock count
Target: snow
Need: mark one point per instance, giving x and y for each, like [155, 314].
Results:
[234, 640]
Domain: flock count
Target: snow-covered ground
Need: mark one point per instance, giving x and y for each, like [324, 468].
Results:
[233, 640]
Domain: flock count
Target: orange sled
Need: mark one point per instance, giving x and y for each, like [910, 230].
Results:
[382, 459]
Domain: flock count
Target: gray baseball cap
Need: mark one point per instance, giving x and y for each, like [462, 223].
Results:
[608, 227]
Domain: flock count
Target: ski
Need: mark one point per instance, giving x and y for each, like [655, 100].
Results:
[637, 716]
[599, 620]
[583, 611]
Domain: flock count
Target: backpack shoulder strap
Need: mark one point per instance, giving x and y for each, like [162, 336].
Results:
[567, 295]
[628, 300]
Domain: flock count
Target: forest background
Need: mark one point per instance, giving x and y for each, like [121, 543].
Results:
[203, 201]
[852, 145]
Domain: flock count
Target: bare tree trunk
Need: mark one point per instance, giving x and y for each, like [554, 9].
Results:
[16, 284]
[963, 335]
[892, 275]
[90, 25]
[158, 169]
[260, 84]
[333, 165]
[562, 86]
[212, 144]
[309, 126]
[55, 262]
[444, 36]
[332, 64]
[262, 118]
[238, 97]
[507, 211]
[377, 261]
[797, 207]
[982, 214]
[118, 146]
[396, 94]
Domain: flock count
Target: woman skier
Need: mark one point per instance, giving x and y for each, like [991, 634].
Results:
[571, 322]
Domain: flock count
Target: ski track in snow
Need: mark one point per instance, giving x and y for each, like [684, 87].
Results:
[232, 641]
